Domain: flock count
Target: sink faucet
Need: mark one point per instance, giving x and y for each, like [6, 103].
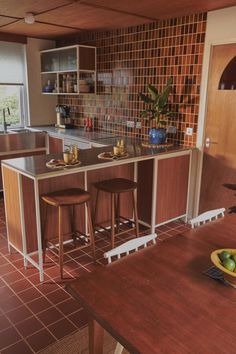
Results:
[5, 124]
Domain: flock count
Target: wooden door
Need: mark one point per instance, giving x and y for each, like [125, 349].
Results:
[219, 161]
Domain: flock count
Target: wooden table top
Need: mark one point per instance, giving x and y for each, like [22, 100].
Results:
[159, 301]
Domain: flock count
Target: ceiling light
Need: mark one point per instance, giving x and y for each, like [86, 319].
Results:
[29, 18]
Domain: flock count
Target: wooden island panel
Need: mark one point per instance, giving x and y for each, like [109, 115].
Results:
[12, 207]
[145, 176]
[172, 187]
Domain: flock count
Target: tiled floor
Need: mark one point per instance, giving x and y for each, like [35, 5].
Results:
[34, 315]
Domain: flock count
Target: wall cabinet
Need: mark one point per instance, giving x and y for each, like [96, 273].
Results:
[68, 70]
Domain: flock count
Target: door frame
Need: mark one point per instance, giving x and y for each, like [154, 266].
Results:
[202, 115]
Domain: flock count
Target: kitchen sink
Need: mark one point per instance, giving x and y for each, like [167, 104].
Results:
[20, 130]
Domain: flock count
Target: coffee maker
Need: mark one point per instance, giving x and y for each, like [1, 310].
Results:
[63, 116]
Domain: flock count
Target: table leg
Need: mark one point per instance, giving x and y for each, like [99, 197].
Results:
[96, 336]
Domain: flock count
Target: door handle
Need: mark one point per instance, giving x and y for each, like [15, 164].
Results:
[208, 142]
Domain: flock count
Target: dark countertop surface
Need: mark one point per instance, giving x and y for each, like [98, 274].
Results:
[35, 166]
[76, 133]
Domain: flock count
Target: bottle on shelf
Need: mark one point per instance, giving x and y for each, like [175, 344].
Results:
[64, 83]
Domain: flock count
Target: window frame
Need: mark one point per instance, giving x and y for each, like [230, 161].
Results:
[22, 103]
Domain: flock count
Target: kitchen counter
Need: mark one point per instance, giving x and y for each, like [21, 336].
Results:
[163, 177]
[35, 166]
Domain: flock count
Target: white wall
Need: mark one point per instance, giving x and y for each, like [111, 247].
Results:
[221, 29]
[41, 107]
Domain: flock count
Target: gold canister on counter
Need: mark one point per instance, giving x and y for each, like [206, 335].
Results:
[74, 151]
[67, 157]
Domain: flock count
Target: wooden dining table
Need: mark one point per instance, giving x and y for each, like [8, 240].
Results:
[158, 300]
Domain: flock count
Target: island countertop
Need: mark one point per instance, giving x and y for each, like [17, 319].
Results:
[35, 166]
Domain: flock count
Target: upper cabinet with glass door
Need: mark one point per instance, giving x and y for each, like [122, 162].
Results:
[68, 70]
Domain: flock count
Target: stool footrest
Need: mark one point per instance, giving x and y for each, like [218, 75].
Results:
[122, 222]
[79, 241]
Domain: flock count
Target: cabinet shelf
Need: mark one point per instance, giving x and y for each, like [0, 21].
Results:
[69, 69]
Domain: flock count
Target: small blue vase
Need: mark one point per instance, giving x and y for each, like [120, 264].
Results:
[157, 136]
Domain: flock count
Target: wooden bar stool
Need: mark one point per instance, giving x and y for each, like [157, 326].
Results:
[115, 187]
[68, 198]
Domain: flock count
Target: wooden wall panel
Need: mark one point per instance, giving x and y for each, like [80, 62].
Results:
[172, 187]
[11, 200]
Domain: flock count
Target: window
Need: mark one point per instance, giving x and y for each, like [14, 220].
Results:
[227, 80]
[12, 83]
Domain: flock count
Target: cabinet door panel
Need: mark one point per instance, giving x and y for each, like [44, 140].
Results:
[172, 188]
[55, 145]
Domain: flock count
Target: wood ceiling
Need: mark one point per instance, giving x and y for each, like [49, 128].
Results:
[55, 18]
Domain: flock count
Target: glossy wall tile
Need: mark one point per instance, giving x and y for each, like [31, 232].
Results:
[129, 59]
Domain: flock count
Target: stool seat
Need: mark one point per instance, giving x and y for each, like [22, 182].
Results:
[116, 185]
[65, 197]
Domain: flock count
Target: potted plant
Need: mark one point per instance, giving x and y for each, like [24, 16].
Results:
[158, 109]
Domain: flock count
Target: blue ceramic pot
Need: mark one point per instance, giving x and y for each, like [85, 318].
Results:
[157, 135]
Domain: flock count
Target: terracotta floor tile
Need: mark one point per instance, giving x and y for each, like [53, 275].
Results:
[3, 260]
[21, 285]
[18, 348]
[10, 303]
[2, 283]
[29, 294]
[5, 292]
[62, 328]
[14, 256]
[69, 306]
[4, 323]
[35, 280]
[19, 314]
[8, 336]
[29, 326]
[40, 340]
[7, 268]
[48, 287]
[79, 318]
[12, 277]
[49, 316]
[58, 296]
[39, 304]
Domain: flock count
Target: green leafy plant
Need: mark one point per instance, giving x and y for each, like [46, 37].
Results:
[158, 105]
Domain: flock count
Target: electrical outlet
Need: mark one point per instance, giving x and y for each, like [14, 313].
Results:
[171, 129]
[189, 131]
[138, 125]
[130, 124]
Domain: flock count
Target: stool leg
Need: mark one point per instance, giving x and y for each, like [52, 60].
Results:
[112, 220]
[60, 236]
[118, 213]
[95, 209]
[90, 229]
[72, 222]
[44, 238]
[135, 213]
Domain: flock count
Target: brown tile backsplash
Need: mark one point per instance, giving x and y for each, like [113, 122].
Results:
[128, 60]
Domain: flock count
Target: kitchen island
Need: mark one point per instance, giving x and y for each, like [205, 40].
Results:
[163, 177]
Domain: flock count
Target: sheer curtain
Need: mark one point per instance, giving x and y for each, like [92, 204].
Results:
[12, 83]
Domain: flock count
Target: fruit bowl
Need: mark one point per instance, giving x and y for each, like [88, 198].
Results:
[229, 275]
